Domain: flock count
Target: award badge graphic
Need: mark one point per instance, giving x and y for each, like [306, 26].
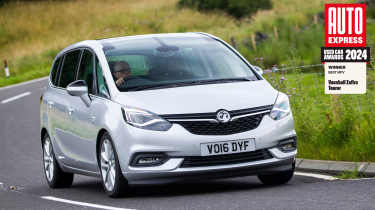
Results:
[345, 54]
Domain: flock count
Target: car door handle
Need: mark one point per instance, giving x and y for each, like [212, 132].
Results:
[70, 111]
[93, 118]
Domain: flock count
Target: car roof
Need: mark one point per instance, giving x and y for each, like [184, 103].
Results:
[164, 35]
[100, 42]
[86, 43]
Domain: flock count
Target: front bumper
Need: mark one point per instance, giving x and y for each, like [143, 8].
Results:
[171, 171]
[177, 143]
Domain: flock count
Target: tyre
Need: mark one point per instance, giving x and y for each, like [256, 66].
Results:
[114, 183]
[278, 178]
[56, 178]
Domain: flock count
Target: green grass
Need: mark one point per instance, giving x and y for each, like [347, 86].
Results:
[330, 127]
[27, 68]
[291, 47]
[350, 174]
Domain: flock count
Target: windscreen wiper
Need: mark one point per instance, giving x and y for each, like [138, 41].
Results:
[235, 79]
[157, 86]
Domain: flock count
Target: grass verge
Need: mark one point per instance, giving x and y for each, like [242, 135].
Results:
[350, 175]
[329, 127]
[28, 68]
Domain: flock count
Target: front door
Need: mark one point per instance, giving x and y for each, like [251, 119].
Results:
[81, 116]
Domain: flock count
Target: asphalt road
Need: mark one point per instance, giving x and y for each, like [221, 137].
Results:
[23, 186]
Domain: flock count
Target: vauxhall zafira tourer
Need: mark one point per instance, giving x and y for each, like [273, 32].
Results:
[162, 108]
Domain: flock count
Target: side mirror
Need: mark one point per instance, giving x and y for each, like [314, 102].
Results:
[258, 69]
[79, 88]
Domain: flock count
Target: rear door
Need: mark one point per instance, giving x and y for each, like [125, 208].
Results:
[50, 97]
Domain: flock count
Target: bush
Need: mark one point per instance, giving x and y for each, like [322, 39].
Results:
[236, 8]
[2, 2]
[239, 8]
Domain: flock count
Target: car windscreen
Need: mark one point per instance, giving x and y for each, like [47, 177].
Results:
[159, 62]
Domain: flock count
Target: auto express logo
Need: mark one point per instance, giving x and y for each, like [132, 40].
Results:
[345, 53]
[223, 116]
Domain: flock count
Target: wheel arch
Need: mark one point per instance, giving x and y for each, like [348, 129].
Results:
[99, 136]
[43, 132]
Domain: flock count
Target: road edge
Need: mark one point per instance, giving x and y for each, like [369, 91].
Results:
[24, 83]
[335, 167]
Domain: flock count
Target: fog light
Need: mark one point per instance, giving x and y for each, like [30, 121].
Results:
[288, 145]
[149, 159]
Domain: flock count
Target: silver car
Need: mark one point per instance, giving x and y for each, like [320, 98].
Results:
[162, 108]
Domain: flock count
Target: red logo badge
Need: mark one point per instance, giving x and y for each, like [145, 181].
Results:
[345, 25]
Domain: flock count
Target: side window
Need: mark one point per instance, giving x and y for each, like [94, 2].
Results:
[54, 72]
[68, 70]
[101, 83]
[86, 69]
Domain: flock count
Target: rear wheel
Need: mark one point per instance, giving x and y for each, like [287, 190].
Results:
[278, 178]
[114, 183]
[56, 178]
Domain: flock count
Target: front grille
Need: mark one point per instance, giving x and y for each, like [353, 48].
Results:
[201, 161]
[232, 127]
[200, 124]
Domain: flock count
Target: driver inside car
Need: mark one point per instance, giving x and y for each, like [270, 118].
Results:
[121, 71]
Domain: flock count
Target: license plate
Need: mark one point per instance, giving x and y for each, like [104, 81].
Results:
[227, 147]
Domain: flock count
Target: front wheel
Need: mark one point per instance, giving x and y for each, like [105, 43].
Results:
[114, 183]
[56, 178]
[278, 178]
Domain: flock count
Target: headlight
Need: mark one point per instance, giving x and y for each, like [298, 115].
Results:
[144, 119]
[281, 108]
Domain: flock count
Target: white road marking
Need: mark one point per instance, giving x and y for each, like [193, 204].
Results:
[361, 166]
[318, 176]
[24, 83]
[82, 203]
[15, 97]
[356, 179]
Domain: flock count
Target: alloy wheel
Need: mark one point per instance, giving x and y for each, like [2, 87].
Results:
[48, 159]
[108, 164]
